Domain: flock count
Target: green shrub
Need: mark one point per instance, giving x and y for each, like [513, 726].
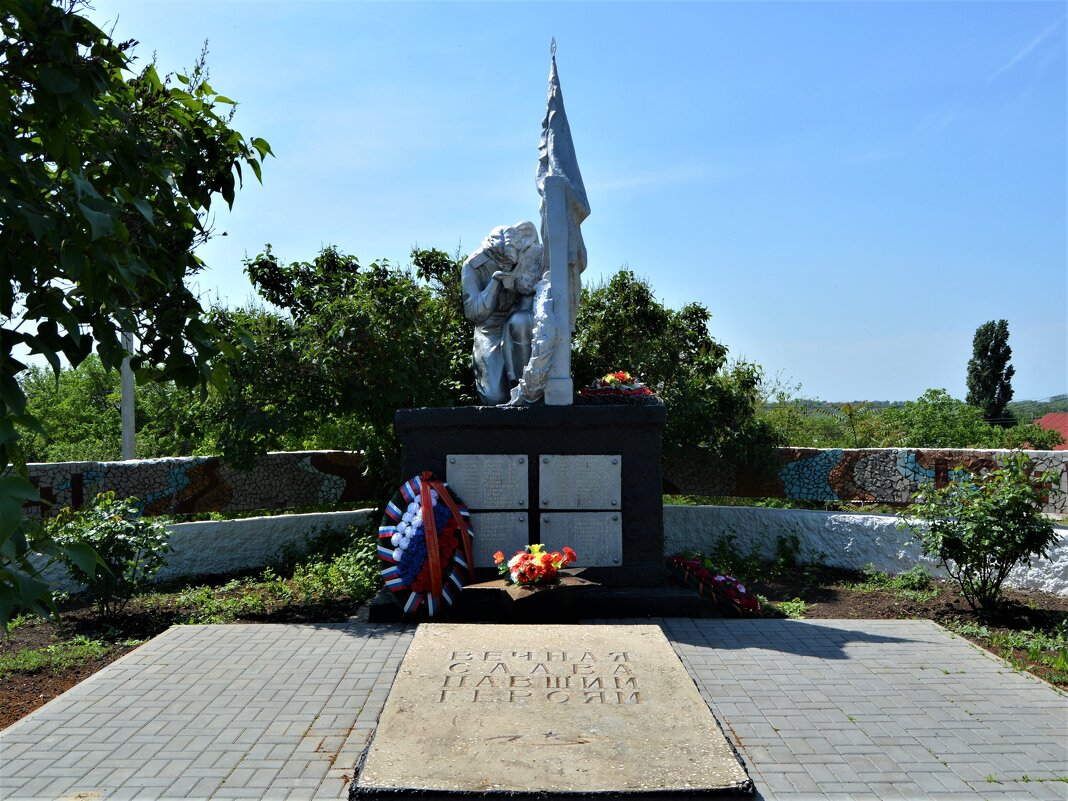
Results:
[133, 548]
[980, 528]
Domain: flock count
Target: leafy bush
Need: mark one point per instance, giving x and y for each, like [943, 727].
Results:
[981, 527]
[133, 548]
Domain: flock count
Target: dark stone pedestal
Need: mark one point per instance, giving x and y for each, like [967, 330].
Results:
[632, 433]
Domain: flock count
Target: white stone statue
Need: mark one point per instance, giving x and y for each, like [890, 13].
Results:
[499, 281]
[523, 323]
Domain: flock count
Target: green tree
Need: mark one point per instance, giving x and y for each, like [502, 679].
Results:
[107, 176]
[354, 345]
[80, 416]
[622, 326]
[989, 372]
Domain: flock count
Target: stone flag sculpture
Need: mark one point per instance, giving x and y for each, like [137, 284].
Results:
[522, 347]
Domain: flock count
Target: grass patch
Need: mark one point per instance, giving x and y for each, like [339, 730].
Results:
[1044, 653]
[915, 584]
[57, 657]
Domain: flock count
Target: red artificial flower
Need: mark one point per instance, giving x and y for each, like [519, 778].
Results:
[569, 555]
[498, 557]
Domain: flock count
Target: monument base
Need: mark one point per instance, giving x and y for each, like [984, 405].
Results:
[584, 476]
[533, 712]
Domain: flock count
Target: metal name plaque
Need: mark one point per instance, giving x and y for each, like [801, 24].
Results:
[486, 481]
[597, 537]
[498, 531]
[579, 482]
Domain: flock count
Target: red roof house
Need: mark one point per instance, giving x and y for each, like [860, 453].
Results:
[1056, 421]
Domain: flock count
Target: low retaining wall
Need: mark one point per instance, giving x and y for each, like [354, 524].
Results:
[229, 546]
[838, 539]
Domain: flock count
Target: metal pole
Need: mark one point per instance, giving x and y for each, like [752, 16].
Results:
[129, 445]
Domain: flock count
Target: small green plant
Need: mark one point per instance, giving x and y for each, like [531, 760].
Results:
[794, 609]
[132, 548]
[981, 527]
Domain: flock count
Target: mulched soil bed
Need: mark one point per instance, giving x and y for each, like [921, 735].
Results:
[824, 590]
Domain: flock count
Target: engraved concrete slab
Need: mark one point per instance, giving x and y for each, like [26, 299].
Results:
[536, 710]
[597, 537]
[579, 482]
[489, 481]
[498, 531]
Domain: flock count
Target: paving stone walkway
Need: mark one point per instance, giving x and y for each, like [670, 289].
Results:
[845, 709]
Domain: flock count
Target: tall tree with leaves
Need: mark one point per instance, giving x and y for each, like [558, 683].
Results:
[989, 372]
[107, 174]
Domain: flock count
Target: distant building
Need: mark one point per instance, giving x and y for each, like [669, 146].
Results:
[1056, 421]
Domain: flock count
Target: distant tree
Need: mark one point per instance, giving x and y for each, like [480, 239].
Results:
[989, 372]
[937, 420]
[80, 417]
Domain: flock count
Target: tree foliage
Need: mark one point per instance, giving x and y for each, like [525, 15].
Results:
[934, 420]
[81, 417]
[354, 345]
[107, 176]
[989, 372]
[622, 326]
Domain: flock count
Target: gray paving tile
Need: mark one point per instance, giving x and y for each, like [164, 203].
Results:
[818, 709]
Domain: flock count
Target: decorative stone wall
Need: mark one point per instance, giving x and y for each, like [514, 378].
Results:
[881, 475]
[201, 484]
[322, 478]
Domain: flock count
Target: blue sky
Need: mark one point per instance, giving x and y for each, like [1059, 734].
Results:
[851, 189]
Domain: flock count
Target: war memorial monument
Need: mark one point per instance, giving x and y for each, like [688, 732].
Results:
[537, 711]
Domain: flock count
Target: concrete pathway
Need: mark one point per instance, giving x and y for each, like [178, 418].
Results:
[844, 709]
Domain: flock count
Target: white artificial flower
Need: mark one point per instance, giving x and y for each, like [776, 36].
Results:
[406, 517]
[396, 539]
[397, 554]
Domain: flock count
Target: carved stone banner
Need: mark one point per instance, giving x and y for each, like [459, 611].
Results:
[499, 710]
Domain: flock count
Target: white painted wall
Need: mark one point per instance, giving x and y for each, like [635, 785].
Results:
[839, 539]
[228, 546]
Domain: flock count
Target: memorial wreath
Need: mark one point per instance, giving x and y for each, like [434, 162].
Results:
[425, 539]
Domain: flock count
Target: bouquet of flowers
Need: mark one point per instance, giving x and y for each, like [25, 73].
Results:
[618, 384]
[727, 593]
[534, 565]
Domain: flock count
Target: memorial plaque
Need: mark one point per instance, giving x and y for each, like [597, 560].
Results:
[503, 709]
[597, 537]
[489, 481]
[579, 482]
[498, 531]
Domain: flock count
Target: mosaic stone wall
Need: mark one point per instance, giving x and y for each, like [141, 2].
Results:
[882, 475]
[204, 484]
[324, 478]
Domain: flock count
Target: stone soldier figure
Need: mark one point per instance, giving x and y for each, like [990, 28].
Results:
[498, 290]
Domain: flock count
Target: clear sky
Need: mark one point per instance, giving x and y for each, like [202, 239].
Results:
[850, 188]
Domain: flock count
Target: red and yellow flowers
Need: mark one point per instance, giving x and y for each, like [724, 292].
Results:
[618, 383]
[534, 565]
